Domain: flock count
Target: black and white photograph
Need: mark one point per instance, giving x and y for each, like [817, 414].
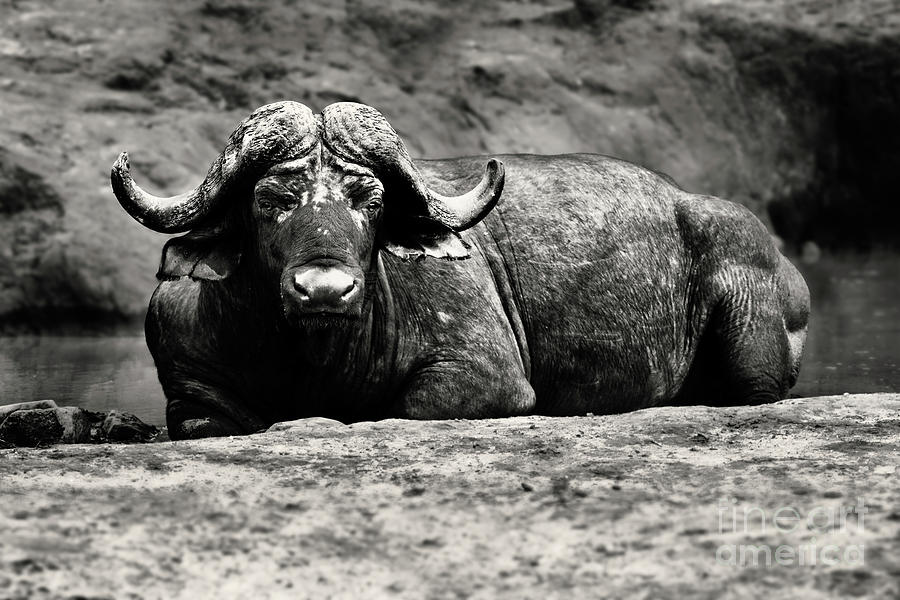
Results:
[436, 299]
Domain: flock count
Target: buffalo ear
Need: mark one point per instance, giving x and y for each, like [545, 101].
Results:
[206, 254]
[422, 237]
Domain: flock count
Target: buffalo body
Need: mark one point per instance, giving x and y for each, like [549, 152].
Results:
[594, 285]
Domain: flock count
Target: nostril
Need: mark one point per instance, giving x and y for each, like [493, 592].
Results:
[350, 291]
[298, 285]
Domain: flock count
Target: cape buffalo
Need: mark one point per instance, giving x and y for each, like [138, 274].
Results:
[321, 276]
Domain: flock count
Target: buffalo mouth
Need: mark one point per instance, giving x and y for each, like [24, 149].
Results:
[321, 321]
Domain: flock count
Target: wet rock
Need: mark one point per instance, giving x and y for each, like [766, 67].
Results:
[42, 422]
[8, 409]
[125, 427]
[44, 426]
[810, 252]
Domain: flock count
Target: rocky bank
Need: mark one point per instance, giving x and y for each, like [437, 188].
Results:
[649, 504]
[44, 423]
[789, 106]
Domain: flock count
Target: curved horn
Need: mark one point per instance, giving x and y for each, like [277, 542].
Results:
[361, 134]
[166, 215]
[461, 212]
[273, 133]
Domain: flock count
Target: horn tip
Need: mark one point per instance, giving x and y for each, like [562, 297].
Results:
[496, 174]
[495, 168]
[121, 163]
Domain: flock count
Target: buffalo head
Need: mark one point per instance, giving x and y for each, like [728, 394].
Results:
[301, 202]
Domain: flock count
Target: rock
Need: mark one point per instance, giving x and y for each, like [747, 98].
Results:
[44, 426]
[810, 252]
[43, 422]
[125, 427]
[22, 188]
[309, 424]
[418, 507]
[132, 74]
[8, 409]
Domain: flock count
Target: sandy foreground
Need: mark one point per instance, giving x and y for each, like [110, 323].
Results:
[796, 499]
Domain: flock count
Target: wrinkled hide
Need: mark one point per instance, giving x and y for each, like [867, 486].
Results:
[594, 285]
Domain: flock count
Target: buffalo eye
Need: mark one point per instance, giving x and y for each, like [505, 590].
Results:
[366, 196]
[373, 207]
[266, 205]
[270, 203]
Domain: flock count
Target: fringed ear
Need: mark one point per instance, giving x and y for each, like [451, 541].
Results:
[417, 238]
[208, 254]
[449, 247]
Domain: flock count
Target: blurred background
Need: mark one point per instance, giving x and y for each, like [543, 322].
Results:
[791, 107]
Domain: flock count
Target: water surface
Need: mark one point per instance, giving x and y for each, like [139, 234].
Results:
[854, 330]
[853, 346]
[98, 373]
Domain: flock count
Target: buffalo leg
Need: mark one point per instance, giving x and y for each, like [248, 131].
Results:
[465, 391]
[190, 429]
[197, 410]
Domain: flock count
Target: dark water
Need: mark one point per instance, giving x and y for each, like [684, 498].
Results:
[854, 331]
[854, 346]
[99, 373]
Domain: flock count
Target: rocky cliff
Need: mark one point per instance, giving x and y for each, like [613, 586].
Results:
[787, 106]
